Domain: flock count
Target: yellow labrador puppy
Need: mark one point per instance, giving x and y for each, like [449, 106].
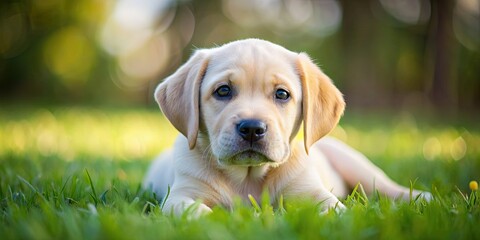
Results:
[239, 107]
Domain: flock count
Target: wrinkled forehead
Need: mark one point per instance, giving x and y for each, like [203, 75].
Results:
[252, 62]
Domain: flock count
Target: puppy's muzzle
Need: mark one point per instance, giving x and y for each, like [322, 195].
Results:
[251, 130]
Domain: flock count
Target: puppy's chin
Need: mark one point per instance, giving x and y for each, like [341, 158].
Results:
[248, 158]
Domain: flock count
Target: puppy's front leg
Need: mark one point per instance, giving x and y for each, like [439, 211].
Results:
[309, 185]
[184, 194]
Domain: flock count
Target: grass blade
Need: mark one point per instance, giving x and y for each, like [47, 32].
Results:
[254, 203]
[33, 189]
[164, 200]
[94, 194]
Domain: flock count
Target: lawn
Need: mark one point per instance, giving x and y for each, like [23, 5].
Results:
[75, 173]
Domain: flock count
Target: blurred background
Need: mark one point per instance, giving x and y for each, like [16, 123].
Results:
[77, 79]
[419, 55]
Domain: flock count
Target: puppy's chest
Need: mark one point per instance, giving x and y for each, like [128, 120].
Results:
[250, 188]
[247, 182]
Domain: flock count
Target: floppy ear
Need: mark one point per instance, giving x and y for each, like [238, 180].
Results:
[322, 103]
[178, 96]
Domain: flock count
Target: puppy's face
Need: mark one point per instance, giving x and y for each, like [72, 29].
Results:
[250, 102]
[245, 101]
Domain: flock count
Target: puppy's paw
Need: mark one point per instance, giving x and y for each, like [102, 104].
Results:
[185, 207]
[195, 211]
[338, 207]
[203, 210]
[427, 196]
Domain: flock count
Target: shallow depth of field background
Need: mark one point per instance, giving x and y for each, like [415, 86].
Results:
[382, 54]
[77, 79]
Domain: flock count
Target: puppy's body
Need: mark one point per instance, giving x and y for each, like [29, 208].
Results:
[239, 108]
[216, 185]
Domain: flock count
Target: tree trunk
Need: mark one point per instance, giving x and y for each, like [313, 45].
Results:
[442, 90]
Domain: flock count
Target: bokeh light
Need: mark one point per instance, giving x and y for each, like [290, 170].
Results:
[118, 50]
[458, 148]
[408, 11]
[137, 35]
[432, 148]
[70, 55]
[144, 63]
[466, 23]
[320, 18]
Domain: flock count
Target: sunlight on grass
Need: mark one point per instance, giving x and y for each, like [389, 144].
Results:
[125, 135]
[405, 147]
[70, 173]
[73, 132]
[404, 138]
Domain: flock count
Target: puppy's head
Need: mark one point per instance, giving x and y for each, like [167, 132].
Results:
[248, 98]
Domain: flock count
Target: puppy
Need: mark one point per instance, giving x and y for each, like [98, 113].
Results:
[239, 107]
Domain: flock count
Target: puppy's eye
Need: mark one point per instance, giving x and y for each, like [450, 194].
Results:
[282, 94]
[223, 92]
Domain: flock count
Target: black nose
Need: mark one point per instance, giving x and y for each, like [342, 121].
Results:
[251, 130]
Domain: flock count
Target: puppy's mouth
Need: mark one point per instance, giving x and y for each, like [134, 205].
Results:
[248, 158]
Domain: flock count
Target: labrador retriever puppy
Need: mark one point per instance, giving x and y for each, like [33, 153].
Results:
[238, 108]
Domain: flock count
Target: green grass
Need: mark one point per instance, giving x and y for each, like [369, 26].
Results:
[76, 173]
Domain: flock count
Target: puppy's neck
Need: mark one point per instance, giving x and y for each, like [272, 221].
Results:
[242, 174]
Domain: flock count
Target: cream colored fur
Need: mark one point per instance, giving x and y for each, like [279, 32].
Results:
[211, 163]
